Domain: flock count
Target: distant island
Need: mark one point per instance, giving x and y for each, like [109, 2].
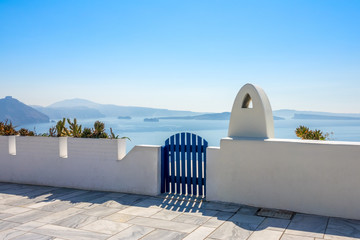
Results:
[124, 117]
[210, 116]
[323, 117]
[151, 119]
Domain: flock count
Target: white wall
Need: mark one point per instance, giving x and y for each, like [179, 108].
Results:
[90, 164]
[314, 177]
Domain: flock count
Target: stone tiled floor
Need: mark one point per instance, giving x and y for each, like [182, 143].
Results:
[37, 212]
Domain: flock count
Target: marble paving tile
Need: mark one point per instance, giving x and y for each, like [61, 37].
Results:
[265, 235]
[166, 214]
[71, 193]
[199, 233]
[114, 204]
[164, 235]
[54, 217]
[100, 211]
[28, 216]
[130, 199]
[202, 212]
[9, 200]
[5, 215]
[307, 225]
[153, 202]
[295, 237]
[168, 225]
[218, 219]
[76, 221]
[85, 197]
[247, 210]
[106, 226]
[224, 207]
[23, 202]
[4, 207]
[10, 234]
[119, 217]
[247, 221]
[33, 236]
[140, 211]
[116, 194]
[39, 205]
[231, 230]
[39, 191]
[4, 225]
[339, 228]
[274, 224]
[68, 233]
[15, 210]
[132, 233]
[29, 226]
[103, 200]
[17, 191]
[56, 206]
[191, 219]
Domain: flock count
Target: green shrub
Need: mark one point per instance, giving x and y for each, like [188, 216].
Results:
[26, 132]
[7, 128]
[86, 133]
[304, 132]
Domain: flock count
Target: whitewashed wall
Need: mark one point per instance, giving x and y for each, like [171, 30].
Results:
[303, 176]
[89, 164]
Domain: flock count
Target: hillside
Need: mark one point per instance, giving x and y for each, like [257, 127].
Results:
[19, 113]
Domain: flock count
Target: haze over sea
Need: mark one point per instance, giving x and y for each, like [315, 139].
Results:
[155, 133]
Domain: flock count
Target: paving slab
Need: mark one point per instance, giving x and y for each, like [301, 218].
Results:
[10, 234]
[36, 212]
[132, 233]
[339, 228]
[164, 235]
[307, 225]
[265, 235]
[163, 224]
[231, 230]
[106, 226]
[199, 233]
[69, 233]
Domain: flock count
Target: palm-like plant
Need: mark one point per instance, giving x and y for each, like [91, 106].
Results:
[99, 130]
[75, 129]
[61, 129]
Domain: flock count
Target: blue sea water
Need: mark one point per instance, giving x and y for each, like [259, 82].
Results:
[155, 133]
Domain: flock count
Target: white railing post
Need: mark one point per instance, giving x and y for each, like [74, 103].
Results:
[63, 150]
[12, 145]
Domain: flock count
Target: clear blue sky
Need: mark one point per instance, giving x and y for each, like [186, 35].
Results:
[190, 55]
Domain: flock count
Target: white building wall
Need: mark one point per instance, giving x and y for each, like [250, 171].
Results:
[305, 176]
[90, 164]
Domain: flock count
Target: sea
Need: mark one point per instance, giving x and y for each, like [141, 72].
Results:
[155, 133]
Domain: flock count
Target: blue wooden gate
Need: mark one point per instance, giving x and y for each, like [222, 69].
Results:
[183, 165]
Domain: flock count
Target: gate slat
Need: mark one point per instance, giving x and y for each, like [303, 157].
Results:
[194, 176]
[166, 166]
[172, 158]
[183, 187]
[163, 159]
[177, 159]
[205, 146]
[188, 158]
[200, 165]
